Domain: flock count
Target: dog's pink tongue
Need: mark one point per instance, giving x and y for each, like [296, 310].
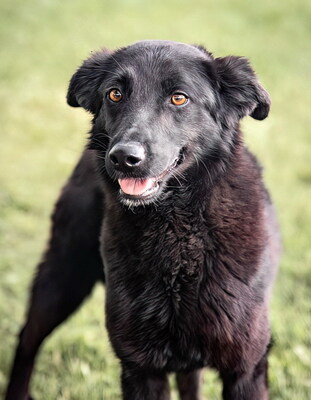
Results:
[135, 187]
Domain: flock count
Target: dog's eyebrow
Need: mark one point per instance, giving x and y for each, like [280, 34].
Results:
[120, 75]
[172, 84]
[192, 86]
[116, 78]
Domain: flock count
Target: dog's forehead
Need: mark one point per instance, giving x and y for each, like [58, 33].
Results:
[152, 62]
[156, 54]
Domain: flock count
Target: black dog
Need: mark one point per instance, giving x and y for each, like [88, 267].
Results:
[171, 202]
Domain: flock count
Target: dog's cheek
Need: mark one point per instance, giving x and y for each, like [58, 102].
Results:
[185, 125]
[207, 137]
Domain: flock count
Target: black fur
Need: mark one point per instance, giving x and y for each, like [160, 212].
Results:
[188, 266]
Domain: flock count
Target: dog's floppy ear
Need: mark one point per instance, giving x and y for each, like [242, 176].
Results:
[84, 84]
[240, 89]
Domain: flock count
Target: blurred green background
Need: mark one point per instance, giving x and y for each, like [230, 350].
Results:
[42, 43]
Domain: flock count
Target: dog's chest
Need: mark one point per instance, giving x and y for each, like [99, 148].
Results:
[165, 251]
[154, 270]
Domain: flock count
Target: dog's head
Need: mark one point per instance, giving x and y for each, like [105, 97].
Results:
[162, 107]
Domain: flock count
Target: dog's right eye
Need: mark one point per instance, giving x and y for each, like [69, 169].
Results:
[115, 95]
[179, 99]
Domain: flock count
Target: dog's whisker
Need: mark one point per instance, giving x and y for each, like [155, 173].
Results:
[200, 160]
[100, 157]
[99, 142]
[122, 69]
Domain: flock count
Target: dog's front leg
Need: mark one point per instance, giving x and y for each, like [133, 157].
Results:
[144, 385]
[250, 386]
[189, 384]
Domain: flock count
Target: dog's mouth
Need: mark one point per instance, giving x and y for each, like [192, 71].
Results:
[144, 189]
[139, 187]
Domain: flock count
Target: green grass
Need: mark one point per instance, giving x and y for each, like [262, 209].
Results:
[42, 42]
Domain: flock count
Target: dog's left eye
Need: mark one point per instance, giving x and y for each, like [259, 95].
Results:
[115, 95]
[179, 99]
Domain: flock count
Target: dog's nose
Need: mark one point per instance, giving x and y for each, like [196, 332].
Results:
[127, 156]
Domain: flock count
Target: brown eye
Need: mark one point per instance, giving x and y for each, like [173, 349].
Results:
[179, 99]
[115, 95]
